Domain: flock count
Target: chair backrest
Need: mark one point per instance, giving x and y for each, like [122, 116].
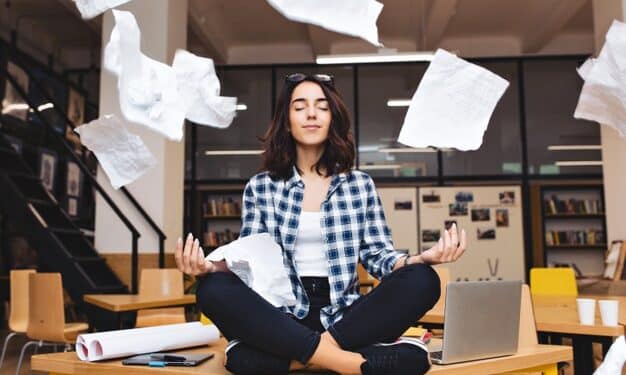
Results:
[18, 317]
[553, 281]
[46, 315]
[444, 278]
[527, 325]
[157, 282]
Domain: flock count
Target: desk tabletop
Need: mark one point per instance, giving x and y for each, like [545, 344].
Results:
[68, 363]
[131, 302]
[559, 314]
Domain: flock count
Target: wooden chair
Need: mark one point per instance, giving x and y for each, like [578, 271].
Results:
[553, 281]
[18, 315]
[161, 282]
[366, 281]
[46, 314]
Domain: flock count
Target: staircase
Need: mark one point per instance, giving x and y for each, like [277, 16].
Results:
[61, 245]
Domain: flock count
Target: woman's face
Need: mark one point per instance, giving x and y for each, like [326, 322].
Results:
[309, 115]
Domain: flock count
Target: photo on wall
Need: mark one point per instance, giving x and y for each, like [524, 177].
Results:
[480, 214]
[457, 209]
[403, 205]
[507, 197]
[431, 235]
[502, 217]
[12, 102]
[431, 198]
[47, 168]
[447, 224]
[486, 233]
[74, 177]
[464, 196]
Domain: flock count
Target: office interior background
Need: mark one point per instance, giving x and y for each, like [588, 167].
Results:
[568, 171]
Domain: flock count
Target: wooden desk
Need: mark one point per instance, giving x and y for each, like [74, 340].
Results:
[68, 363]
[133, 302]
[559, 314]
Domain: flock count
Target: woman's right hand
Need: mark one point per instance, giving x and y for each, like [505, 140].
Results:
[190, 258]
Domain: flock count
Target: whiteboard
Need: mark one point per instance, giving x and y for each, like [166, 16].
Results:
[492, 218]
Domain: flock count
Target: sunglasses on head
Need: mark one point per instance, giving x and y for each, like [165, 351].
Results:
[321, 78]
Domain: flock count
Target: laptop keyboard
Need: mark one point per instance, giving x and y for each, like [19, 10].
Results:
[436, 355]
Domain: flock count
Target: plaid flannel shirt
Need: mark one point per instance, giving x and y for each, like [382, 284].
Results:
[353, 227]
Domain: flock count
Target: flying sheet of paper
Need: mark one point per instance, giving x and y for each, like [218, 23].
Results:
[603, 96]
[200, 89]
[452, 105]
[258, 261]
[91, 8]
[126, 342]
[351, 17]
[614, 359]
[148, 91]
[122, 154]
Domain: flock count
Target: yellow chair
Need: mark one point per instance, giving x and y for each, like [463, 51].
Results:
[161, 282]
[46, 314]
[18, 315]
[553, 281]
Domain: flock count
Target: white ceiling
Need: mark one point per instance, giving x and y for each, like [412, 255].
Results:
[252, 32]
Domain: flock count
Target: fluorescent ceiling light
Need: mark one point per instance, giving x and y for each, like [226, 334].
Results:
[14, 107]
[574, 147]
[232, 152]
[374, 58]
[407, 150]
[43, 107]
[379, 167]
[398, 102]
[579, 163]
[241, 107]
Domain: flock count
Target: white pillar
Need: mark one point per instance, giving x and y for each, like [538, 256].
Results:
[163, 25]
[613, 146]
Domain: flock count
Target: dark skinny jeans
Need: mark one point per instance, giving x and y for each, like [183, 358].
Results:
[382, 315]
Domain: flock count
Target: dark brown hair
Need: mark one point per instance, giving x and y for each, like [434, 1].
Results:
[280, 148]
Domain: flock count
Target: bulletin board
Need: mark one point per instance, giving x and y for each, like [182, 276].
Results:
[492, 218]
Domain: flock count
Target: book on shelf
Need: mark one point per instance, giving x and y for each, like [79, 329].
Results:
[556, 206]
[591, 237]
[214, 239]
[614, 261]
[221, 207]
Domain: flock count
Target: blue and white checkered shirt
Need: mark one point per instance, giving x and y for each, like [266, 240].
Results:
[353, 227]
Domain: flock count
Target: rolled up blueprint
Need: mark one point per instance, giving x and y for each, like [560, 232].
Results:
[126, 342]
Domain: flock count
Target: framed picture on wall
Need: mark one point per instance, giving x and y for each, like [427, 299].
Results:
[12, 102]
[74, 180]
[47, 168]
[76, 114]
[72, 206]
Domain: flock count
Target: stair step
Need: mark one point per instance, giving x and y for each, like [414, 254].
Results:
[53, 216]
[32, 188]
[41, 202]
[12, 162]
[65, 230]
[99, 272]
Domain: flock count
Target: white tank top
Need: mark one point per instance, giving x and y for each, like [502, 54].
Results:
[310, 251]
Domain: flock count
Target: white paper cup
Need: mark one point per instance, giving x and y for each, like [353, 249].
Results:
[608, 311]
[586, 310]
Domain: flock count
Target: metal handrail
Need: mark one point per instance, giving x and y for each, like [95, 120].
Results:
[125, 191]
[134, 232]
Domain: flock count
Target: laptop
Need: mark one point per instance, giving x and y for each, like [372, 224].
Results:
[481, 321]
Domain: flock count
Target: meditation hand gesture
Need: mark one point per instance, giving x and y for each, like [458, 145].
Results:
[190, 260]
[448, 248]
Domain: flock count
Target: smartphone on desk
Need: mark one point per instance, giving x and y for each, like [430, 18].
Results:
[167, 359]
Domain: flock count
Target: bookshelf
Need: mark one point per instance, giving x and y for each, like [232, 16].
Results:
[574, 227]
[220, 216]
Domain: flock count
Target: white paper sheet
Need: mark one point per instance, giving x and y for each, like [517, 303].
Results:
[258, 261]
[614, 359]
[200, 89]
[148, 91]
[603, 96]
[127, 342]
[351, 17]
[452, 105]
[91, 8]
[122, 154]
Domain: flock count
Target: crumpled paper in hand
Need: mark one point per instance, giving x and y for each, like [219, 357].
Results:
[452, 105]
[351, 17]
[200, 90]
[603, 96]
[91, 8]
[123, 155]
[148, 91]
[258, 261]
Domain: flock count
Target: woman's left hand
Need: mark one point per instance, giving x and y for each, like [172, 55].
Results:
[448, 249]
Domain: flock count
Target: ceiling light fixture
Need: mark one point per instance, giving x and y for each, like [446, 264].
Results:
[374, 58]
[579, 163]
[379, 167]
[241, 107]
[408, 150]
[232, 152]
[574, 147]
[398, 102]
